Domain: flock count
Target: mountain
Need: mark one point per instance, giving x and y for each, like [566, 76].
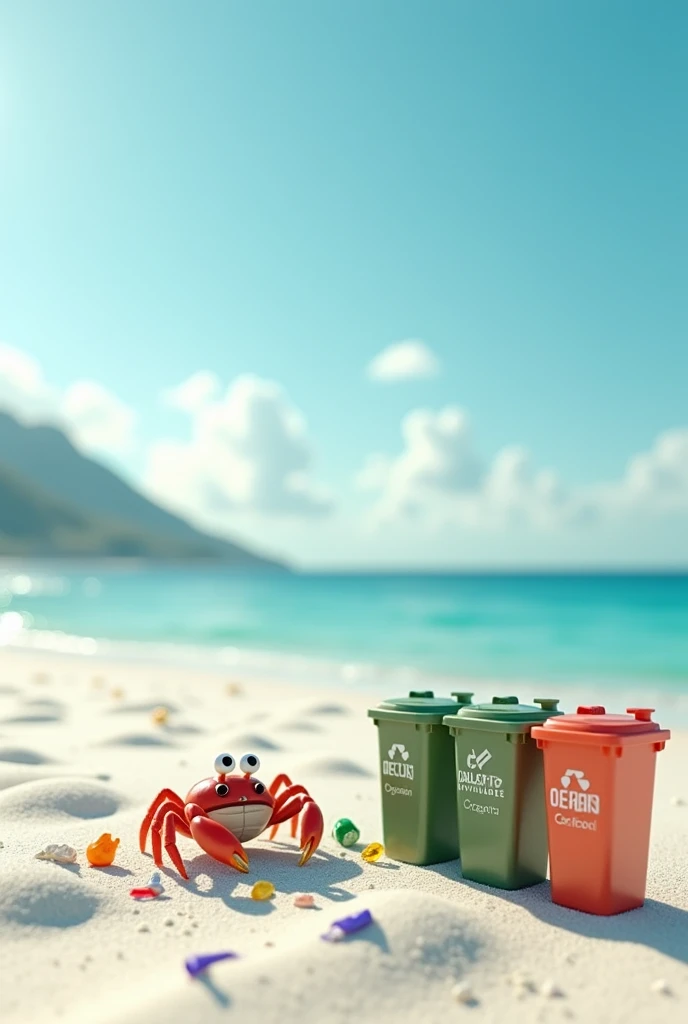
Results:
[56, 501]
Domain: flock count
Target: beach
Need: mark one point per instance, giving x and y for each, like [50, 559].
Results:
[80, 755]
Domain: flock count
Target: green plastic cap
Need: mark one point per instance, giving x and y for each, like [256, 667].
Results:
[462, 696]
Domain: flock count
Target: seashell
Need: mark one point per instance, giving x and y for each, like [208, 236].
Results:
[59, 853]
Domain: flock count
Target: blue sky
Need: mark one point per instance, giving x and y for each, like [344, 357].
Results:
[284, 190]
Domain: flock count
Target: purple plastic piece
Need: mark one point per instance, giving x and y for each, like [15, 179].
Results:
[196, 964]
[347, 926]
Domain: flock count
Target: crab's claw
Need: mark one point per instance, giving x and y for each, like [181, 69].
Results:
[311, 831]
[219, 842]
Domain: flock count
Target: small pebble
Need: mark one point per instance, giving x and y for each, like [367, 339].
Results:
[269, 943]
[462, 993]
[371, 885]
[372, 852]
[661, 987]
[194, 924]
[342, 854]
[136, 910]
[304, 900]
[187, 931]
[677, 801]
[143, 928]
[120, 955]
[550, 990]
[262, 891]
[160, 716]
[169, 921]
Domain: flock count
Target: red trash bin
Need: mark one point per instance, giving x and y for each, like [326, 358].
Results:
[599, 781]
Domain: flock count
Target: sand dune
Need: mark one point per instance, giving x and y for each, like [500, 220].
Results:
[23, 755]
[56, 799]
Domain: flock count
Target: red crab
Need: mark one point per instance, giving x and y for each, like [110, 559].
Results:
[221, 811]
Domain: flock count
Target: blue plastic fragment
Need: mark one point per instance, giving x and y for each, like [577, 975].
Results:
[196, 964]
[347, 926]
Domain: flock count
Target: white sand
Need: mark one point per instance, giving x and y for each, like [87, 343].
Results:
[76, 762]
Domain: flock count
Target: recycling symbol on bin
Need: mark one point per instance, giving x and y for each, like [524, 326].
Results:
[402, 751]
[578, 776]
[478, 760]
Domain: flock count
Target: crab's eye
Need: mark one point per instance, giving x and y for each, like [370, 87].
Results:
[259, 787]
[249, 764]
[224, 763]
[221, 789]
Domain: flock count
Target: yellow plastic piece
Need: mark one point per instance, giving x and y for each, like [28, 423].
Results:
[102, 853]
[262, 891]
[372, 852]
[160, 716]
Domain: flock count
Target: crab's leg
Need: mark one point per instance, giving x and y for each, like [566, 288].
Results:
[163, 811]
[281, 800]
[216, 840]
[163, 795]
[311, 823]
[174, 823]
[277, 782]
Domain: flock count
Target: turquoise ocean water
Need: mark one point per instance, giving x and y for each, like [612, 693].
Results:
[598, 633]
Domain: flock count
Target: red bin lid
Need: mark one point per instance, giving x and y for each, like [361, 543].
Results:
[594, 718]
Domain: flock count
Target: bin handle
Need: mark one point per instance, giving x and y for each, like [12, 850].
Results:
[547, 703]
[641, 714]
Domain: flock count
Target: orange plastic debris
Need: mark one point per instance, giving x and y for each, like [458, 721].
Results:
[102, 853]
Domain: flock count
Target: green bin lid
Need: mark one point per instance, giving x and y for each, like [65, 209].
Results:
[420, 707]
[510, 709]
[421, 702]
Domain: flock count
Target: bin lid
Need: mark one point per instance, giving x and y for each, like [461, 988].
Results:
[422, 702]
[594, 718]
[510, 710]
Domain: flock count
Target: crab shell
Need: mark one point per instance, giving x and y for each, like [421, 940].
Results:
[245, 809]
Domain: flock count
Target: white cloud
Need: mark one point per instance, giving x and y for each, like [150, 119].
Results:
[249, 450]
[24, 392]
[655, 481]
[194, 393]
[439, 479]
[95, 419]
[405, 360]
[437, 459]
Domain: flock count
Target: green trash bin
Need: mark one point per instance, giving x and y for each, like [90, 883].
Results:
[501, 789]
[418, 776]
